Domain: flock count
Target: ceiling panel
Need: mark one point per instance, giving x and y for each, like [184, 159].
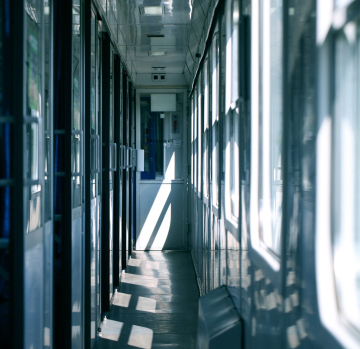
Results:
[156, 66]
[176, 11]
[176, 34]
[181, 28]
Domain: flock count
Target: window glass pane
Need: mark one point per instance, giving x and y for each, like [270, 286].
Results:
[152, 140]
[195, 137]
[346, 192]
[342, 3]
[5, 156]
[33, 13]
[111, 97]
[192, 140]
[206, 129]
[232, 95]
[270, 124]
[215, 120]
[200, 129]
[33, 78]
[222, 93]
[235, 51]
[173, 135]
[111, 122]
[234, 166]
[77, 123]
[94, 147]
[99, 91]
[47, 116]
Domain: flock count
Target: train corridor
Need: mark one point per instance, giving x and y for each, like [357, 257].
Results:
[156, 303]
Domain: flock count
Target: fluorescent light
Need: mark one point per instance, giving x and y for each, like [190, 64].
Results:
[152, 10]
[157, 53]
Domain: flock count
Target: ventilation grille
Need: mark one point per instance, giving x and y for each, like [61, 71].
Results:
[158, 77]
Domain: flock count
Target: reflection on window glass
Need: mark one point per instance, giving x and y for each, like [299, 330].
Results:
[77, 124]
[173, 134]
[47, 115]
[195, 127]
[98, 90]
[162, 138]
[200, 129]
[33, 62]
[222, 93]
[346, 187]
[215, 120]
[33, 77]
[232, 95]
[234, 139]
[152, 140]
[192, 139]
[270, 124]
[111, 122]
[206, 129]
[94, 142]
[111, 97]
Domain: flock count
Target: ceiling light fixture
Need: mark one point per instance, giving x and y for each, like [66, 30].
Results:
[157, 53]
[152, 10]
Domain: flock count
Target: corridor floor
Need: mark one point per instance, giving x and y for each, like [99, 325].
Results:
[156, 305]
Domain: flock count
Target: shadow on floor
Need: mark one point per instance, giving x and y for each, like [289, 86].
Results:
[156, 304]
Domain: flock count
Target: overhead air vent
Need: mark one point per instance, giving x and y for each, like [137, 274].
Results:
[158, 77]
[155, 35]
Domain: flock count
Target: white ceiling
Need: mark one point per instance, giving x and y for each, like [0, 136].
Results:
[182, 26]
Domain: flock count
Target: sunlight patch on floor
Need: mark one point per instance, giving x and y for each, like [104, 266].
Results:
[146, 304]
[133, 262]
[141, 337]
[140, 280]
[111, 330]
[122, 299]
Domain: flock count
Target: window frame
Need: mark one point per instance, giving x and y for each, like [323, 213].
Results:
[332, 21]
[215, 118]
[200, 117]
[232, 106]
[258, 251]
[206, 131]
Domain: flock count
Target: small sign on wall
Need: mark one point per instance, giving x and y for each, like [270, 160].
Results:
[175, 124]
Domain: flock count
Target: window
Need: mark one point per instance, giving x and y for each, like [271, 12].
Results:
[270, 124]
[34, 109]
[152, 140]
[232, 129]
[192, 140]
[200, 130]
[206, 129]
[94, 131]
[266, 136]
[162, 135]
[346, 173]
[76, 117]
[215, 120]
[195, 140]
